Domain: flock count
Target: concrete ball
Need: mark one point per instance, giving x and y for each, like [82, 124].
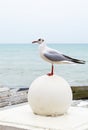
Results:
[50, 95]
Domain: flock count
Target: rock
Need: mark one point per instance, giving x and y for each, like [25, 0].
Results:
[50, 95]
[17, 97]
[80, 92]
[4, 96]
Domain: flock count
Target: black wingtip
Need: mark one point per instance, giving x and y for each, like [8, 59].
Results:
[79, 61]
[82, 62]
[75, 60]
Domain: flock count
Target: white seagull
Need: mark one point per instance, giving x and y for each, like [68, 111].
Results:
[54, 57]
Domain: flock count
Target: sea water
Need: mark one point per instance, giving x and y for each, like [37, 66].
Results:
[20, 64]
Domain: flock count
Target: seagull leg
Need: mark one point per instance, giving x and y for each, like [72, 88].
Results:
[52, 71]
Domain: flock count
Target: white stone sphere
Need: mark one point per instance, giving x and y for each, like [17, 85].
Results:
[50, 95]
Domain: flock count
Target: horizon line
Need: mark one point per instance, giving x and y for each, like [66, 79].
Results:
[48, 43]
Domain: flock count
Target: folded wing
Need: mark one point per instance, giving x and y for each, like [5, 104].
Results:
[57, 57]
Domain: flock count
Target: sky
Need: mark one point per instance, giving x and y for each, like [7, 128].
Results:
[57, 21]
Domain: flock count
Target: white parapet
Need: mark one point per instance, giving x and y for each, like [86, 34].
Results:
[21, 117]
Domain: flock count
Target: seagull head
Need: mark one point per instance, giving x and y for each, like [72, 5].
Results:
[39, 41]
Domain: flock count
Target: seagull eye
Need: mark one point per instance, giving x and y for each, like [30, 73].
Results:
[39, 39]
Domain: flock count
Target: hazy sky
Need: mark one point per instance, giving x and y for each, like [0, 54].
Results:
[58, 21]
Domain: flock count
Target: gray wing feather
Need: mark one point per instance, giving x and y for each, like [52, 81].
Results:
[54, 56]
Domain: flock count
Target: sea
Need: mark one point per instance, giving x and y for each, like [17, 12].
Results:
[20, 64]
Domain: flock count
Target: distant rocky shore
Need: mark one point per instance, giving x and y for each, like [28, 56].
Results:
[12, 96]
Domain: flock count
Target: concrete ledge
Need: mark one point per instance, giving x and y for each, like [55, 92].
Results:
[20, 117]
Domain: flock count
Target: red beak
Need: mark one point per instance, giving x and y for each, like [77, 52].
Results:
[34, 42]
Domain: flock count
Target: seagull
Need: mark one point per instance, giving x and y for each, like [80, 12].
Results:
[53, 56]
